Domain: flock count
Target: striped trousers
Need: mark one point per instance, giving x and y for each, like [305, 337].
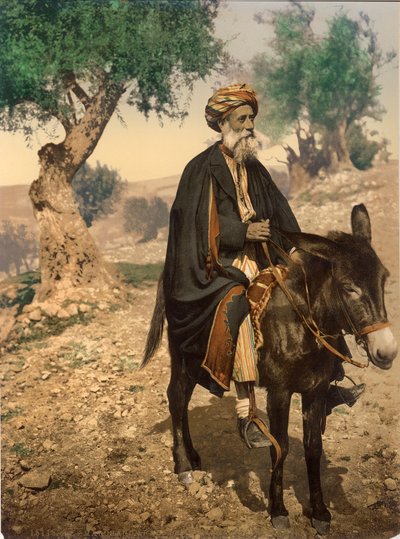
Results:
[245, 363]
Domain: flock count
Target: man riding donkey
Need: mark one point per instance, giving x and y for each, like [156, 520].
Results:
[226, 208]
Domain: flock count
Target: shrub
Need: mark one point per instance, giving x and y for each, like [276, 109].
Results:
[145, 217]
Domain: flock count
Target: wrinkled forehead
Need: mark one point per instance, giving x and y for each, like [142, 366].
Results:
[239, 112]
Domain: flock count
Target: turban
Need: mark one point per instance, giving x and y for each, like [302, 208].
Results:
[227, 99]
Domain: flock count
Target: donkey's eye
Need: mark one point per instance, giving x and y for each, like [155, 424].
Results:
[352, 289]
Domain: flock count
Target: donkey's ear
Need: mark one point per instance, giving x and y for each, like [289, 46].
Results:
[360, 223]
[312, 244]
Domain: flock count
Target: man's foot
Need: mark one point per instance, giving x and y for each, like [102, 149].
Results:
[343, 395]
[251, 435]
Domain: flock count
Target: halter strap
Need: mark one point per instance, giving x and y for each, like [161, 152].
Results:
[374, 327]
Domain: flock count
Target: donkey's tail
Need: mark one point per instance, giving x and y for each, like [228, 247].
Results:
[154, 335]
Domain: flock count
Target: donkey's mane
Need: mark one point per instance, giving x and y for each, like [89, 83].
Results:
[340, 237]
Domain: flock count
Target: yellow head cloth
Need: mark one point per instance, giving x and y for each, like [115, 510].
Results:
[227, 99]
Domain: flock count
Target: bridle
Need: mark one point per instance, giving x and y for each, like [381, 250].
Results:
[359, 334]
[310, 323]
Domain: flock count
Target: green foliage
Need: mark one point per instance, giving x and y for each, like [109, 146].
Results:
[338, 76]
[24, 294]
[321, 82]
[135, 389]
[18, 247]
[137, 274]
[362, 151]
[12, 412]
[52, 326]
[21, 450]
[77, 355]
[96, 191]
[127, 364]
[156, 46]
[145, 216]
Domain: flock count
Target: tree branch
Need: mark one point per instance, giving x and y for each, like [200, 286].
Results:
[83, 137]
[71, 84]
[80, 94]
[71, 104]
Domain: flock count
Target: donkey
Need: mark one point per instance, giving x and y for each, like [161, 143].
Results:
[344, 290]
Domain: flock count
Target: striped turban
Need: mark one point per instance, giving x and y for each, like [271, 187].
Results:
[227, 99]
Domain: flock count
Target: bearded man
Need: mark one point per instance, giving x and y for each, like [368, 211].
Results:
[226, 206]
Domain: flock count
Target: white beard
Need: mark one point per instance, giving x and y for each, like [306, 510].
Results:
[242, 144]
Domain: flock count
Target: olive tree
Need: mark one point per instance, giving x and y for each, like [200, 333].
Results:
[73, 61]
[317, 86]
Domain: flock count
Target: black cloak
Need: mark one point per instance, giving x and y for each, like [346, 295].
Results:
[206, 234]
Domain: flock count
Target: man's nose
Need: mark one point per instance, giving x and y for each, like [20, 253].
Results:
[249, 124]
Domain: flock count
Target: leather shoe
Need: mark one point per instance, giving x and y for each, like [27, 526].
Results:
[343, 395]
[251, 434]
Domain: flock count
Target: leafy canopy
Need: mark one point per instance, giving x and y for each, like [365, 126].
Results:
[156, 45]
[323, 80]
[145, 216]
[97, 190]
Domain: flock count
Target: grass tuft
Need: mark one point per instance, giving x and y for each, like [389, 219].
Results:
[12, 412]
[139, 274]
[21, 450]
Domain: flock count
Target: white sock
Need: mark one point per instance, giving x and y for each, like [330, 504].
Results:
[242, 400]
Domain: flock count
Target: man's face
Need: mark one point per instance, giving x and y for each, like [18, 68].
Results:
[241, 119]
[238, 134]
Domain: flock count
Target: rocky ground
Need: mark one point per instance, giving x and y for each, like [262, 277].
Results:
[87, 436]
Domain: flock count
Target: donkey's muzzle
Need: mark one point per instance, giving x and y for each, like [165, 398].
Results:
[382, 348]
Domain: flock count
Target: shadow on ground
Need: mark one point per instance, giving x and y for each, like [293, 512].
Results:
[214, 435]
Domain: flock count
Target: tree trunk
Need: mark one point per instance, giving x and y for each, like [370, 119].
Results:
[335, 148]
[71, 265]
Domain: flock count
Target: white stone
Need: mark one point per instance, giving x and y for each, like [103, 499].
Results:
[35, 316]
[72, 309]
[48, 444]
[390, 484]
[50, 309]
[215, 514]
[35, 480]
[29, 308]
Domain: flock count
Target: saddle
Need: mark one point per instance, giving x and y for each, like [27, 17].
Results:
[258, 295]
[221, 348]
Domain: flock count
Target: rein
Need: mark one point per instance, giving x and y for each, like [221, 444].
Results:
[314, 330]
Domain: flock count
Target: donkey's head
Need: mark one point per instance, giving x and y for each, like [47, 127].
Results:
[357, 284]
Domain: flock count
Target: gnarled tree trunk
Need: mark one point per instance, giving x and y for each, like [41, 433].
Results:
[70, 263]
[335, 149]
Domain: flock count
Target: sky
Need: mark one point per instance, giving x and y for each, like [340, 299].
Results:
[143, 149]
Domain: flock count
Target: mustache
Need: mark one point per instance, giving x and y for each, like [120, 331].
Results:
[245, 136]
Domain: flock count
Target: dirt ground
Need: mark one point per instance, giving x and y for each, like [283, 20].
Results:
[86, 436]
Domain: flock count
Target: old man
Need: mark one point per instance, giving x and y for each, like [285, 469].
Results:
[226, 207]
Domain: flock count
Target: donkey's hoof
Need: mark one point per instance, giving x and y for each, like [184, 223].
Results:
[186, 478]
[281, 522]
[322, 526]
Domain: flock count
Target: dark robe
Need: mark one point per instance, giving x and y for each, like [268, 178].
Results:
[206, 234]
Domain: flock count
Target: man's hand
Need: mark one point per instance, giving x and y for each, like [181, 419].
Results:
[258, 231]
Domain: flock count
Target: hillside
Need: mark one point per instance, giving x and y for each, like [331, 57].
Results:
[87, 436]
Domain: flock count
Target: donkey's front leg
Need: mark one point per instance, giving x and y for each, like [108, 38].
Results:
[278, 404]
[313, 410]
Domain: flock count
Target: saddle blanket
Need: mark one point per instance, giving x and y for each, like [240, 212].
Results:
[220, 355]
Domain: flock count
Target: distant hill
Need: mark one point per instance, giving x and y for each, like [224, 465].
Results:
[15, 204]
